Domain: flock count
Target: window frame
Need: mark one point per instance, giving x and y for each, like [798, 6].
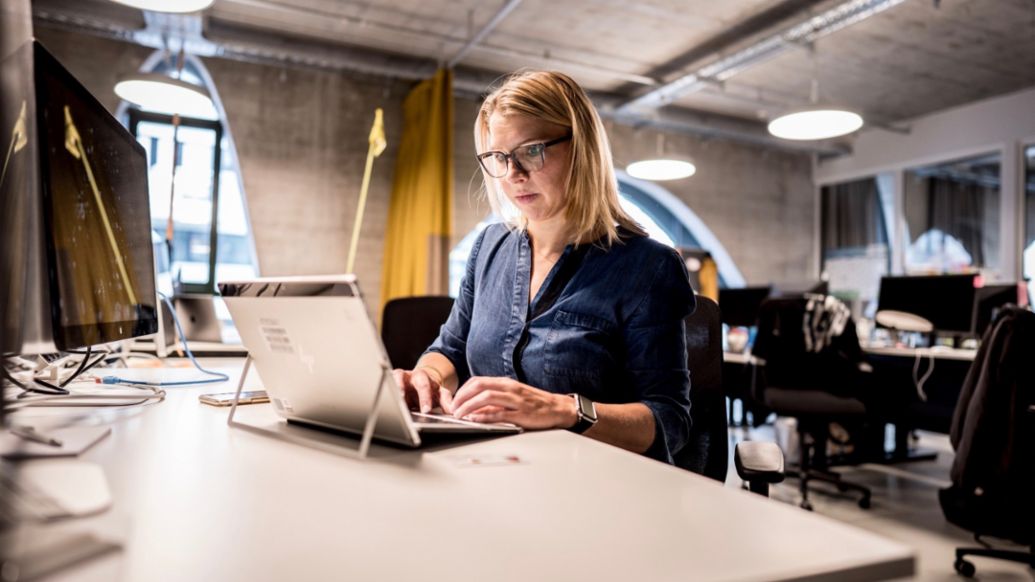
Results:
[135, 117]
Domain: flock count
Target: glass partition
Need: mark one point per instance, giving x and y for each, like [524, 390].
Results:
[952, 216]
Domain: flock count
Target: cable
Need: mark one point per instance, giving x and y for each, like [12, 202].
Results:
[83, 366]
[217, 376]
[69, 400]
[920, 381]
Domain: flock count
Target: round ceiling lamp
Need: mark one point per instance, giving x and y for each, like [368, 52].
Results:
[158, 92]
[817, 123]
[661, 169]
[174, 6]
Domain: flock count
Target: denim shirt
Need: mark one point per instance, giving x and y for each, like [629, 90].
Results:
[606, 323]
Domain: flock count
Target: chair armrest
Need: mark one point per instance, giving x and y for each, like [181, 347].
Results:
[759, 461]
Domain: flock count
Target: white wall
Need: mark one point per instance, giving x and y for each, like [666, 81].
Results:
[1002, 124]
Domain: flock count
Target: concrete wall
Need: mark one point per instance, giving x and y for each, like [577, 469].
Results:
[301, 139]
[759, 202]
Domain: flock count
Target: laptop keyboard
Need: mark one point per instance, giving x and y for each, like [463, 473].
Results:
[434, 418]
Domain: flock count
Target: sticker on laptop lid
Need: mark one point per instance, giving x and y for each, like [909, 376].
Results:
[276, 336]
[283, 405]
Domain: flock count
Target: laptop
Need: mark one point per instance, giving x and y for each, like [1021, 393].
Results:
[322, 360]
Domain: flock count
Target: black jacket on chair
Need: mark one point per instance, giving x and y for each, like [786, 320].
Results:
[783, 325]
[993, 433]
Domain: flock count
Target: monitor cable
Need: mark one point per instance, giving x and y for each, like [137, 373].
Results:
[216, 376]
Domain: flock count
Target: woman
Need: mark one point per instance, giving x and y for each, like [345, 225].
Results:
[568, 315]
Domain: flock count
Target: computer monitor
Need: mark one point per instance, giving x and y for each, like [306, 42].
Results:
[947, 301]
[91, 276]
[988, 300]
[740, 306]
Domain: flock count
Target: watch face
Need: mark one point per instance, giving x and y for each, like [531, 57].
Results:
[587, 408]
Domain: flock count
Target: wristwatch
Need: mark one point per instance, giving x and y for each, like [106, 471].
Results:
[587, 412]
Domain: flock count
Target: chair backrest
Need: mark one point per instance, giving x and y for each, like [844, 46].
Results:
[993, 429]
[410, 324]
[707, 450]
[808, 345]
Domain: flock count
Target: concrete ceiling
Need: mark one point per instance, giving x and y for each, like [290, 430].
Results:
[915, 57]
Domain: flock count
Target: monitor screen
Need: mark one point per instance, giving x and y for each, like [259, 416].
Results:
[988, 300]
[947, 301]
[96, 214]
[740, 306]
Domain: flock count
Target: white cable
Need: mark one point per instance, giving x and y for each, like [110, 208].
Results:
[918, 382]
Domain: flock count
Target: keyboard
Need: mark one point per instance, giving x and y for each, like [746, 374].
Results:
[21, 502]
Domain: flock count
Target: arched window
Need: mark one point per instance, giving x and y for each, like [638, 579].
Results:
[665, 218]
[212, 237]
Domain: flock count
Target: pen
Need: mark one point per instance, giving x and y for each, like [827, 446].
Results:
[30, 434]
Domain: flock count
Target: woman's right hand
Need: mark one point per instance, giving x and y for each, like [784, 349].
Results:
[423, 390]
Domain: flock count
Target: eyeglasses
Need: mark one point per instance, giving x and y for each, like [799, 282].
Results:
[527, 158]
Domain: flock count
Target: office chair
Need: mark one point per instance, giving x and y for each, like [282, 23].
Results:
[810, 373]
[707, 450]
[759, 464]
[410, 324]
[993, 434]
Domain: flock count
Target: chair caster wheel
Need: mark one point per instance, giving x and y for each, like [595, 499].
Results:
[964, 568]
[864, 503]
[806, 505]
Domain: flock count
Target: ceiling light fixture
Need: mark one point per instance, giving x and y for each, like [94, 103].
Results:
[816, 121]
[159, 92]
[174, 6]
[661, 169]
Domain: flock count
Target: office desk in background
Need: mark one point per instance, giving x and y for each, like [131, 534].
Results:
[199, 500]
[893, 371]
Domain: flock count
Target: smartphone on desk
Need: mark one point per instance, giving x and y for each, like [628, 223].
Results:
[227, 398]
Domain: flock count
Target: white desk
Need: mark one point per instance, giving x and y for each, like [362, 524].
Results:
[197, 500]
[934, 352]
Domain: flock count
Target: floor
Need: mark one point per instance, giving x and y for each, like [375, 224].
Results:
[905, 508]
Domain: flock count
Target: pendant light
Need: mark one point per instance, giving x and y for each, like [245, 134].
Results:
[663, 167]
[816, 121]
[158, 92]
[172, 6]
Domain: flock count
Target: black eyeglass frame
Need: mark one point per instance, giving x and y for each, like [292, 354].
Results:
[512, 158]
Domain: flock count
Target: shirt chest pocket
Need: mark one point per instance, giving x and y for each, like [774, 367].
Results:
[579, 345]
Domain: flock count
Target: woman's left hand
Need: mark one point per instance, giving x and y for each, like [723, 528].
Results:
[493, 399]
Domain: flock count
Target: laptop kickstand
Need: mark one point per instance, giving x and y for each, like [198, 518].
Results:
[368, 427]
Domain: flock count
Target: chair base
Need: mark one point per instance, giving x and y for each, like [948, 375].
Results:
[828, 477]
[813, 467]
[966, 568]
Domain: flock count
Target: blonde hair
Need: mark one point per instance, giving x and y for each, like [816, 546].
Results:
[592, 189]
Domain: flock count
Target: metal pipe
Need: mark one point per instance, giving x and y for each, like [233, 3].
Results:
[802, 33]
[505, 10]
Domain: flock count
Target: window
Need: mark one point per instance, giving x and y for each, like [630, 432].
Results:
[211, 231]
[854, 241]
[952, 216]
[664, 217]
[1029, 221]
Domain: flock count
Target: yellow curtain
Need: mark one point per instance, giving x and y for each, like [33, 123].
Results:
[420, 211]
